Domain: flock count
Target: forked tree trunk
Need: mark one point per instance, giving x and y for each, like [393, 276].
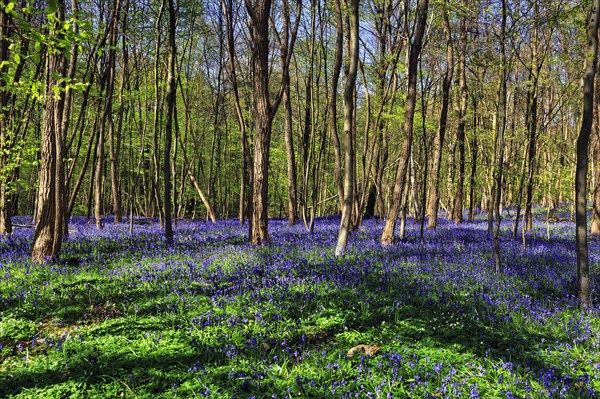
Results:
[259, 12]
[51, 193]
[387, 237]
[583, 272]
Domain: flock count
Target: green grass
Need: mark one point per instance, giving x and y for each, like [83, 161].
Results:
[127, 317]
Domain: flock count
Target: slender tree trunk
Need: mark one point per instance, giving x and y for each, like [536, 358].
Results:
[349, 130]
[246, 170]
[434, 185]
[171, 103]
[532, 122]
[335, 76]
[462, 115]
[474, 151]
[5, 205]
[112, 152]
[500, 126]
[292, 213]
[387, 237]
[51, 193]
[595, 229]
[591, 56]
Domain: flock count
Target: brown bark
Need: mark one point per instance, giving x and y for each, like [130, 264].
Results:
[499, 128]
[387, 236]
[434, 185]
[5, 205]
[245, 178]
[532, 121]
[171, 102]
[583, 272]
[51, 193]
[112, 151]
[287, 106]
[349, 130]
[259, 15]
[335, 77]
[259, 12]
[595, 228]
[457, 212]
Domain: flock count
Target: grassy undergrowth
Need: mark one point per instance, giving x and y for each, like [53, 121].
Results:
[125, 316]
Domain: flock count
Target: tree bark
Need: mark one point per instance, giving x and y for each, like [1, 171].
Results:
[112, 152]
[387, 237]
[335, 76]
[171, 102]
[349, 130]
[462, 114]
[595, 228]
[259, 12]
[434, 185]
[49, 230]
[583, 272]
[499, 128]
[5, 205]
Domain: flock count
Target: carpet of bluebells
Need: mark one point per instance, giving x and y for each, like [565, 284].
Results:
[124, 315]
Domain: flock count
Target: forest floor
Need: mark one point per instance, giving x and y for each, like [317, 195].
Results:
[126, 316]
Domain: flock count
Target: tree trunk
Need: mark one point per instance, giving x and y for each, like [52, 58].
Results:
[434, 185]
[49, 230]
[462, 115]
[583, 272]
[349, 130]
[335, 76]
[171, 102]
[595, 230]
[112, 152]
[474, 151]
[532, 122]
[259, 12]
[5, 205]
[500, 126]
[387, 237]
[292, 213]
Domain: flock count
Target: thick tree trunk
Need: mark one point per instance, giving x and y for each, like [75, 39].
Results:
[434, 185]
[387, 236]
[583, 272]
[51, 193]
[259, 14]
[349, 130]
